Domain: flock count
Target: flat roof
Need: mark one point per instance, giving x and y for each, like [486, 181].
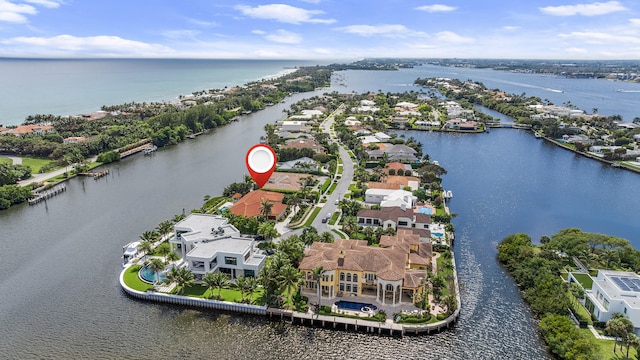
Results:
[232, 245]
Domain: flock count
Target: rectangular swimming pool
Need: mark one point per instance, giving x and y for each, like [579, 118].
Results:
[356, 306]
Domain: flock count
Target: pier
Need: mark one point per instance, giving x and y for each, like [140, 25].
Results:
[135, 150]
[95, 175]
[42, 195]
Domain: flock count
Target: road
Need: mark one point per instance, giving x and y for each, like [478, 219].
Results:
[330, 206]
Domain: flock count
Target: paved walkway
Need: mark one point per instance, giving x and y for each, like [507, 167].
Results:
[16, 160]
[597, 335]
[49, 175]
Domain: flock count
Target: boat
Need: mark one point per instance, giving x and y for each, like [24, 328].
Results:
[537, 134]
[449, 194]
[149, 150]
[129, 252]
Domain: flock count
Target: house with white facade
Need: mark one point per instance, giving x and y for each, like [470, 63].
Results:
[614, 292]
[208, 243]
[390, 197]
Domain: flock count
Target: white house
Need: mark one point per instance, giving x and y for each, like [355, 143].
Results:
[614, 292]
[390, 198]
[294, 126]
[209, 244]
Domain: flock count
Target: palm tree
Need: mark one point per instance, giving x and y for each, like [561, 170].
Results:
[146, 247]
[268, 230]
[149, 235]
[289, 279]
[172, 256]
[185, 279]
[241, 285]
[265, 208]
[164, 227]
[156, 265]
[317, 274]
[251, 286]
[350, 225]
[216, 280]
[326, 237]
[172, 275]
[632, 341]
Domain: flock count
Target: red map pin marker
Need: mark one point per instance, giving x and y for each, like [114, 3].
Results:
[261, 161]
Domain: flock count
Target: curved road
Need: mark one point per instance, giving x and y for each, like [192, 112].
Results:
[343, 183]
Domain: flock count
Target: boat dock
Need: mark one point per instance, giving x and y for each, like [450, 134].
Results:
[95, 175]
[42, 195]
[136, 150]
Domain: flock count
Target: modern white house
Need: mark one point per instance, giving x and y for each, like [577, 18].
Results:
[614, 292]
[390, 198]
[208, 243]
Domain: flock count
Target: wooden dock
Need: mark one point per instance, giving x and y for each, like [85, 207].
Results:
[95, 175]
[337, 322]
[135, 150]
[42, 195]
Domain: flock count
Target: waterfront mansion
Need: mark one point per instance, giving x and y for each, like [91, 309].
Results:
[207, 243]
[391, 273]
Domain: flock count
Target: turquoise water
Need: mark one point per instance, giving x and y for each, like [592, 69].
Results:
[149, 275]
[425, 210]
[437, 234]
[75, 86]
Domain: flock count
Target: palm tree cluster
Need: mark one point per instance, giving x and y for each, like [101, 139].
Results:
[280, 277]
[183, 277]
[246, 285]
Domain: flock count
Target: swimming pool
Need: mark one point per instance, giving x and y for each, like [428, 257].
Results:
[425, 210]
[149, 275]
[356, 306]
[437, 234]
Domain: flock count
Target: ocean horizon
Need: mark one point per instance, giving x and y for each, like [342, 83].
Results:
[78, 86]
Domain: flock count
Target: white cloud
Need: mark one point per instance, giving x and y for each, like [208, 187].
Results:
[15, 13]
[635, 22]
[284, 13]
[451, 37]
[102, 45]
[180, 34]
[510, 27]
[280, 36]
[593, 9]
[592, 37]
[575, 50]
[389, 30]
[202, 23]
[46, 3]
[436, 8]
[285, 37]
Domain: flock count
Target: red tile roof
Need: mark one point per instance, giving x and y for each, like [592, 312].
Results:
[249, 205]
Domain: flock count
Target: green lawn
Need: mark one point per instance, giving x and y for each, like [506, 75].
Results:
[604, 349]
[334, 218]
[35, 163]
[584, 279]
[339, 234]
[340, 169]
[133, 281]
[332, 188]
[231, 295]
[313, 216]
[4, 160]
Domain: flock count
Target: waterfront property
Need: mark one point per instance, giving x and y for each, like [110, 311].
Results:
[250, 204]
[209, 244]
[389, 274]
[397, 218]
[614, 292]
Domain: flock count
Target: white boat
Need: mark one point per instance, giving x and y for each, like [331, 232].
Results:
[537, 134]
[129, 252]
[449, 194]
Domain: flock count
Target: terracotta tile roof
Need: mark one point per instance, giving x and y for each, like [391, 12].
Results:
[388, 261]
[303, 144]
[30, 129]
[249, 205]
[395, 165]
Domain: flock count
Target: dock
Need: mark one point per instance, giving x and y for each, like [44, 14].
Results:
[95, 175]
[42, 195]
[135, 150]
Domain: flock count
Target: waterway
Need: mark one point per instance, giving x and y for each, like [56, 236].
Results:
[60, 299]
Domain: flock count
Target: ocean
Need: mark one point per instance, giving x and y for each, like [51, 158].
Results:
[77, 86]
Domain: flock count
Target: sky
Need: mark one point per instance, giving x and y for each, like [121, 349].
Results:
[321, 29]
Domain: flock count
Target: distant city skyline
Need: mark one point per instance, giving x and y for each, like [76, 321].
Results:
[321, 29]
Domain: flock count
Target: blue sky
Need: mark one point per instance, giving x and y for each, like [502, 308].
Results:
[321, 29]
